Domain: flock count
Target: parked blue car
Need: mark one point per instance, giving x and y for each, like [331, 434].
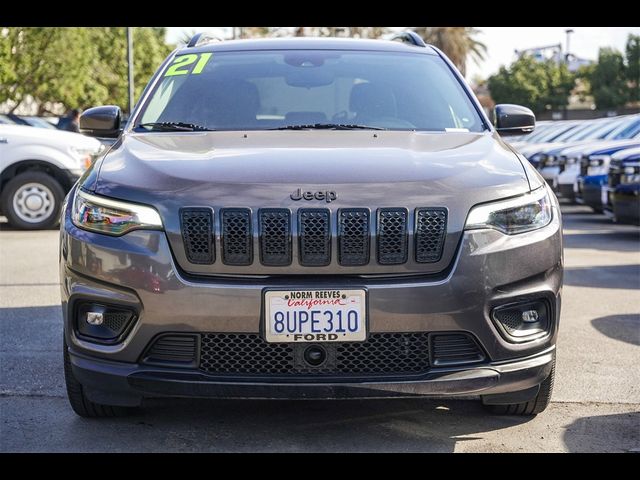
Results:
[594, 169]
[624, 185]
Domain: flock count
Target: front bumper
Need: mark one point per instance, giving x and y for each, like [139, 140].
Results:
[626, 203]
[138, 270]
[124, 384]
[595, 191]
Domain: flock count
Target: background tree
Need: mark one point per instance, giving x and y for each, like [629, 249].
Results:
[534, 84]
[357, 32]
[7, 73]
[608, 79]
[458, 43]
[77, 67]
[48, 64]
[633, 67]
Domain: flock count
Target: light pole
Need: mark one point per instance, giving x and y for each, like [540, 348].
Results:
[130, 67]
[568, 31]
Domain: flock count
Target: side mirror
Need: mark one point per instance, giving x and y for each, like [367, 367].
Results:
[513, 120]
[101, 121]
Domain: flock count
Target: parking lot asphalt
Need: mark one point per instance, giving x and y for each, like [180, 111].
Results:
[595, 405]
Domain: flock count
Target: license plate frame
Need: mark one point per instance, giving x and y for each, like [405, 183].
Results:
[361, 335]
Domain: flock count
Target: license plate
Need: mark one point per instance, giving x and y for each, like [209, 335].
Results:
[315, 315]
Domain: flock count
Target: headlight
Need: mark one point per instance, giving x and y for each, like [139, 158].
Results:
[516, 215]
[571, 160]
[597, 160]
[112, 217]
[86, 156]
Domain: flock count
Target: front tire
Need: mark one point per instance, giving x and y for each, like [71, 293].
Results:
[32, 201]
[79, 401]
[533, 407]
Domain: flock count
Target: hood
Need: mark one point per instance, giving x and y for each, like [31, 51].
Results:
[539, 148]
[567, 147]
[627, 154]
[609, 147]
[260, 169]
[161, 162]
[49, 135]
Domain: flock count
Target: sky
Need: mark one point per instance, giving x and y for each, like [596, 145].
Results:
[502, 41]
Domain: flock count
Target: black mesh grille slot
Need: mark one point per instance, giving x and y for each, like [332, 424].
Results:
[237, 246]
[392, 236]
[353, 236]
[315, 237]
[248, 354]
[431, 227]
[275, 236]
[197, 235]
[175, 349]
[390, 353]
[116, 321]
[454, 349]
[244, 353]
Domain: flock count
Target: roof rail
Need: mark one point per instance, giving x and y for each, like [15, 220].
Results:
[410, 37]
[202, 38]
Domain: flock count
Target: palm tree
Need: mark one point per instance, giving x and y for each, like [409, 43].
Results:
[458, 43]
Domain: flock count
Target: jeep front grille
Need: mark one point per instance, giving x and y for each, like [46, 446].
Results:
[353, 236]
[392, 236]
[197, 234]
[363, 236]
[275, 236]
[237, 242]
[315, 237]
[431, 225]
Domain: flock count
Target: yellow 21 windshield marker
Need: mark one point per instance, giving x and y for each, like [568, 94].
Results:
[180, 64]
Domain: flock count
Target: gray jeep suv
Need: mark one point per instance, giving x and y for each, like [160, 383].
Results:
[310, 218]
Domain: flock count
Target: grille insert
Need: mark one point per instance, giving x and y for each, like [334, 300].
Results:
[455, 349]
[392, 236]
[431, 226]
[275, 236]
[174, 349]
[315, 237]
[116, 321]
[197, 235]
[249, 354]
[237, 246]
[353, 236]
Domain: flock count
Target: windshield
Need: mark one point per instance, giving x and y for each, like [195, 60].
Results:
[262, 90]
[599, 129]
[555, 132]
[629, 129]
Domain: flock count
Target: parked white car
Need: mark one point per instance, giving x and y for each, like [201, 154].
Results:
[38, 166]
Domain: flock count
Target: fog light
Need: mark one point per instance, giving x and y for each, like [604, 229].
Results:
[95, 318]
[105, 323]
[523, 321]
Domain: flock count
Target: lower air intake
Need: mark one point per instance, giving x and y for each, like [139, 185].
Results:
[248, 354]
[454, 349]
[174, 350]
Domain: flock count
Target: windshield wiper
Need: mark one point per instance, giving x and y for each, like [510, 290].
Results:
[175, 126]
[329, 126]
